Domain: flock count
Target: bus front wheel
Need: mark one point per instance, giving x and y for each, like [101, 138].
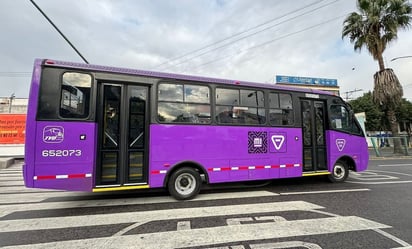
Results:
[339, 172]
[184, 184]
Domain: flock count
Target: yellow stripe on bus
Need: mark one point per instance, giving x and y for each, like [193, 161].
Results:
[120, 188]
[316, 174]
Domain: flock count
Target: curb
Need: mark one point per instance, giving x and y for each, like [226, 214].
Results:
[6, 162]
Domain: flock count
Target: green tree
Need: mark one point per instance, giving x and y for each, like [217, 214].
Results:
[374, 27]
[374, 114]
[404, 113]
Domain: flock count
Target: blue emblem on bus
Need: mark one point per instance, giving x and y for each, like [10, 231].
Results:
[53, 134]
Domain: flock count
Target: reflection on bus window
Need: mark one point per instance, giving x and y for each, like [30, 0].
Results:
[240, 106]
[183, 103]
[280, 112]
[75, 95]
[342, 119]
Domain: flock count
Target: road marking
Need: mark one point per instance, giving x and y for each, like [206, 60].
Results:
[21, 189]
[325, 191]
[11, 178]
[390, 236]
[4, 210]
[156, 215]
[11, 183]
[286, 244]
[385, 234]
[392, 172]
[379, 183]
[222, 234]
[14, 173]
[395, 165]
[183, 225]
[36, 197]
[371, 176]
[277, 245]
[238, 221]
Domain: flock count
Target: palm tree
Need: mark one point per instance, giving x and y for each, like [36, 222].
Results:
[374, 27]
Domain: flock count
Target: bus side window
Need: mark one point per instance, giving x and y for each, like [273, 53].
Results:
[280, 112]
[240, 106]
[75, 95]
[342, 119]
[183, 103]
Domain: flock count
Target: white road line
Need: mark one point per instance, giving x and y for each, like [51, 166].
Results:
[390, 236]
[392, 172]
[286, 244]
[379, 183]
[223, 234]
[35, 197]
[381, 232]
[326, 191]
[11, 174]
[183, 225]
[371, 176]
[143, 217]
[11, 178]
[11, 183]
[395, 165]
[23, 189]
[4, 210]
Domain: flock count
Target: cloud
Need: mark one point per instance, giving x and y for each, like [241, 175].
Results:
[274, 37]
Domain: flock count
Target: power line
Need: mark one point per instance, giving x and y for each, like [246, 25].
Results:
[349, 93]
[58, 30]
[245, 31]
[270, 41]
[234, 35]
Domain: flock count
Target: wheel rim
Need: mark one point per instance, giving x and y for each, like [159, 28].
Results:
[339, 172]
[185, 184]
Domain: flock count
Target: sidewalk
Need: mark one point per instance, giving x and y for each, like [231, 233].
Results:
[6, 162]
[387, 152]
[10, 152]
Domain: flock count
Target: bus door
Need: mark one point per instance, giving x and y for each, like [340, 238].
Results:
[313, 128]
[122, 117]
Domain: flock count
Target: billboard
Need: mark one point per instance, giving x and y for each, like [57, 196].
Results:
[306, 80]
[12, 128]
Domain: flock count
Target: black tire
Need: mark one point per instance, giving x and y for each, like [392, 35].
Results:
[184, 184]
[339, 172]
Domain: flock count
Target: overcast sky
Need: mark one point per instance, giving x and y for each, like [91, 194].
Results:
[234, 39]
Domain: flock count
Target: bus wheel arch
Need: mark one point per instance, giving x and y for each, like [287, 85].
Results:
[184, 180]
[340, 170]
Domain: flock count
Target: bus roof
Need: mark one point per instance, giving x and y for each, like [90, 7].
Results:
[146, 73]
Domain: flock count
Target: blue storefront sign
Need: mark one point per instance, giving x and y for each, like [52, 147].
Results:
[306, 80]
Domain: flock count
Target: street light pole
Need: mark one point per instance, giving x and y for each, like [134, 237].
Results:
[11, 100]
[401, 57]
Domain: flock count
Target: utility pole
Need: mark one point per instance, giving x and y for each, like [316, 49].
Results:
[348, 93]
[12, 96]
[58, 30]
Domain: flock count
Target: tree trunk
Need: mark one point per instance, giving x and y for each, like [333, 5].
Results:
[388, 93]
[397, 148]
[381, 62]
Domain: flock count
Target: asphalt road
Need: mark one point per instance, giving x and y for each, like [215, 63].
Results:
[371, 210]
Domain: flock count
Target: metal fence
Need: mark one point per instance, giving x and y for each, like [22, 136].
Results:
[391, 146]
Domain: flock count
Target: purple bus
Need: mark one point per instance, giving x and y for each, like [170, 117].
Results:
[98, 128]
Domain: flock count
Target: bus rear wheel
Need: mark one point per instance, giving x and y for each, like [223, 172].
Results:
[184, 183]
[339, 172]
